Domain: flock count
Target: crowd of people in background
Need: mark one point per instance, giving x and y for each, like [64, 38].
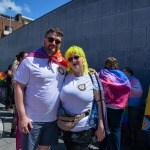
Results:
[38, 81]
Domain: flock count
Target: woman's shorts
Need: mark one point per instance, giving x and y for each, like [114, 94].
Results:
[83, 138]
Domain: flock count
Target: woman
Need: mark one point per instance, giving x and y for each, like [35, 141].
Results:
[117, 91]
[19, 58]
[16, 132]
[77, 98]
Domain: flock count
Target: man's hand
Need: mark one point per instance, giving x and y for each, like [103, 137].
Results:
[25, 124]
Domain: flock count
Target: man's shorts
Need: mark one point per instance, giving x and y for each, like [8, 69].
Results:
[42, 133]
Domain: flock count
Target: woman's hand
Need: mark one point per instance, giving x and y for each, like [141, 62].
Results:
[100, 133]
[93, 71]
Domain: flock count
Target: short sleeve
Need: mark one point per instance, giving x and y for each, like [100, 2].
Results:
[14, 67]
[23, 72]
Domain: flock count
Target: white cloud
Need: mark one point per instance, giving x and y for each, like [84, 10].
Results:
[5, 4]
[26, 8]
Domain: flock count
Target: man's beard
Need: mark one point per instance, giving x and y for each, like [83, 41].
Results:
[53, 50]
[50, 50]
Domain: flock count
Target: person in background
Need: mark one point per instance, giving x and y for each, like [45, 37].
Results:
[77, 96]
[8, 82]
[134, 103]
[19, 57]
[116, 91]
[38, 81]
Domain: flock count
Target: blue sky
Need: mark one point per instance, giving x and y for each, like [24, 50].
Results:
[30, 8]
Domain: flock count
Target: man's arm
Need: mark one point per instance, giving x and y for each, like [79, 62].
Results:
[136, 89]
[24, 121]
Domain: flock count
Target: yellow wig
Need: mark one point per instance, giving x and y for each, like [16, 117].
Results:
[76, 50]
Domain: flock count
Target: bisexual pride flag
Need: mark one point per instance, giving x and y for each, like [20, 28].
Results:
[146, 119]
[56, 58]
[116, 87]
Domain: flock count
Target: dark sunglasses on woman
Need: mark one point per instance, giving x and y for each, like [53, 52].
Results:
[76, 57]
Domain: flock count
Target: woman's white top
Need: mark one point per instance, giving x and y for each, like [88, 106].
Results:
[77, 97]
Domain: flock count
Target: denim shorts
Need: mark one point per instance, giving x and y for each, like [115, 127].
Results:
[42, 133]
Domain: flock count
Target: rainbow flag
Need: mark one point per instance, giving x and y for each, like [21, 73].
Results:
[146, 119]
[2, 76]
[116, 87]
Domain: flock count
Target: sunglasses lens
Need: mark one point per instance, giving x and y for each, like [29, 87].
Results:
[50, 39]
[70, 59]
[76, 57]
[57, 41]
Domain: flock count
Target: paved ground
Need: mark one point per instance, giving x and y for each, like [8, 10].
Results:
[7, 143]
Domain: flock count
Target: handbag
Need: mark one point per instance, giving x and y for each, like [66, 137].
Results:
[93, 118]
[67, 121]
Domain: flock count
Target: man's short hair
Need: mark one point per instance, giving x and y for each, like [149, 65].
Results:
[129, 70]
[54, 30]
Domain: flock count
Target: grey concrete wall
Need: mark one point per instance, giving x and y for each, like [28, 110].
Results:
[103, 28]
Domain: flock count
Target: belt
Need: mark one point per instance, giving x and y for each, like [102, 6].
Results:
[84, 113]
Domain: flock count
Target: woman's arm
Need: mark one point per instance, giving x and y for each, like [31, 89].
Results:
[100, 132]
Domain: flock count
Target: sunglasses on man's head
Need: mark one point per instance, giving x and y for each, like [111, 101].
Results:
[51, 39]
[70, 59]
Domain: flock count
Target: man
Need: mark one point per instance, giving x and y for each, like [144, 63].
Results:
[9, 99]
[38, 82]
[133, 104]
